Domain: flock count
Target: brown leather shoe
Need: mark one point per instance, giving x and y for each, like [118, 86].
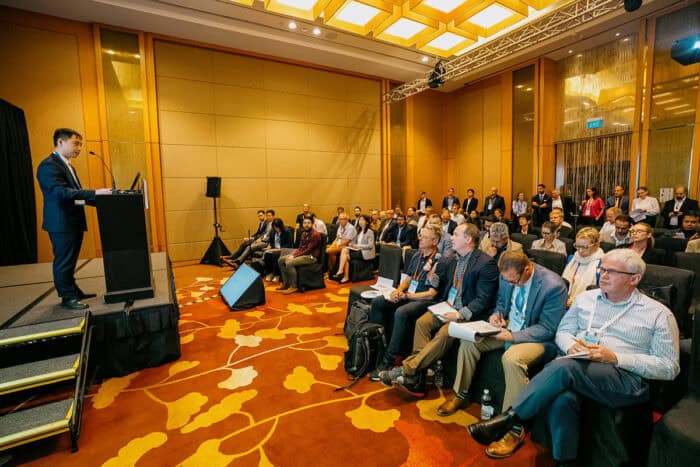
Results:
[506, 446]
[281, 287]
[290, 290]
[451, 406]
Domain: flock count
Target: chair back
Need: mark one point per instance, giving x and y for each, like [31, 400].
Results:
[390, 263]
[524, 240]
[569, 243]
[332, 232]
[553, 261]
[408, 257]
[671, 246]
[690, 262]
[683, 282]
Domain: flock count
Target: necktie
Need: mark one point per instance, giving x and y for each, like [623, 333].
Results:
[617, 202]
[520, 299]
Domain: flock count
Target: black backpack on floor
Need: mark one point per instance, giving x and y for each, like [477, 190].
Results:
[366, 343]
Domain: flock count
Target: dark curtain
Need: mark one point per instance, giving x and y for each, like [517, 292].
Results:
[18, 210]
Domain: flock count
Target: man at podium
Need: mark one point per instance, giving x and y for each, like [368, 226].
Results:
[64, 213]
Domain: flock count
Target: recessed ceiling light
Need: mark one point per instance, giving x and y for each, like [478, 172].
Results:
[571, 51]
[676, 107]
[493, 14]
[617, 34]
[292, 25]
[667, 101]
[317, 31]
[357, 13]
[110, 52]
[626, 39]
[683, 111]
[519, 86]
[137, 56]
[405, 28]
[446, 41]
[579, 56]
[446, 6]
[299, 4]
[424, 59]
[528, 89]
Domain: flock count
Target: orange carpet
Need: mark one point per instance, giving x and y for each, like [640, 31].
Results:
[256, 388]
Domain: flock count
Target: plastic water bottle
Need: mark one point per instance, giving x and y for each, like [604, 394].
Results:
[487, 409]
[439, 377]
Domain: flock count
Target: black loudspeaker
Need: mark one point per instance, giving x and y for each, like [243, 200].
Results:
[632, 5]
[244, 289]
[686, 51]
[213, 187]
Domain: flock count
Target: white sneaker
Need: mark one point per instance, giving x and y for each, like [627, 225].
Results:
[268, 278]
[275, 278]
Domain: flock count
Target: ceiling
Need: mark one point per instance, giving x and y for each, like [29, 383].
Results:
[325, 36]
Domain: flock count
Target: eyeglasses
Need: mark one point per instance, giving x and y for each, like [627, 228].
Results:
[517, 281]
[636, 231]
[547, 233]
[615, 271]
[582, 247]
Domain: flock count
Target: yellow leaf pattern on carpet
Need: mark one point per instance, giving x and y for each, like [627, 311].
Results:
[344, 291]
[428, 411]
[255, 314]
[300, 380]
[366, 418]
[230, 329]
[304, 331]
[299, 308]
[218, 412]
[248, 341]
[239, 378]
[208, 454]
[264, 461]
[186, 339]
[135, 449]
[336, 298]
[328, 309]
[181, 410]
[110, 389]
[328, 362]
[336, 342]
[181, 366]
[273, 333]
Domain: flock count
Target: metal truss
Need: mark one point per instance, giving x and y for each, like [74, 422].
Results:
[570, 16]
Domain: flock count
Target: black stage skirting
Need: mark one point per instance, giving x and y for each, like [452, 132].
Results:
[125, 339]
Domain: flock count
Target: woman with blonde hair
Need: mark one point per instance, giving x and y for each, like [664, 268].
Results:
[582, 270]
[642, 236]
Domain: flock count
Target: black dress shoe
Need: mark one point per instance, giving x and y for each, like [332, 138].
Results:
[74, 304]
[82, 295]
[491, 430]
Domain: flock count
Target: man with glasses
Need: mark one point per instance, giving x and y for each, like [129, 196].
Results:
[620, 337]
[621, 235]
[498, 241]
[675, 208]
[618, 200]
[531, 301]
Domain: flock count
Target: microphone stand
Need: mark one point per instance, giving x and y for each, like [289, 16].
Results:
[114, 185]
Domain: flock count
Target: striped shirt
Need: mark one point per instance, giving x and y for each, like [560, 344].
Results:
[644, 339]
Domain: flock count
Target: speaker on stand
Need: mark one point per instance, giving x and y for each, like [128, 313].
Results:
[216, 249]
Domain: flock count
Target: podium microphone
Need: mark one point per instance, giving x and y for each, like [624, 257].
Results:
[114, 185]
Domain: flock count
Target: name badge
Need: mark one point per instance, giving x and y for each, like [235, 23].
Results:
[80, 202]
[591, 339]
[451, 296]
[587, 212]
[414, 285]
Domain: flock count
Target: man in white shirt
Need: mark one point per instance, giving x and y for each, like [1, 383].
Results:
[621, 234]
[608, 228]
[346, 233]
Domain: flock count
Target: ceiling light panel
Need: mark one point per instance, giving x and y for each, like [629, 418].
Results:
[358, 16]
[304, 9]
[442, 10]
[404, 27]
[446, 41]
[492, 16]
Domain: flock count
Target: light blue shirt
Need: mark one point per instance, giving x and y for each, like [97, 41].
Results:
[348, 233]
[644, 339]
[516, 315]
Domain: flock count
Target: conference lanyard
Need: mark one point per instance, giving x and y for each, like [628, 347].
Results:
[458, 285]
[418, 273]
[610, 322]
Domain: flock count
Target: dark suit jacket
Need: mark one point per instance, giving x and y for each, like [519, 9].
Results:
[541, 214]
[427, 203]
[610, 202]
[651, 255]
[470, 205]
[61, 214]
[445, 200]
[569, 207]
[479, 286]
[566, 232]
[408, 236]
[498, 202]
[688, 205]
[452, 225]
[262, 230]
[300, 218]
[546, 305]
[286, 238]
[389, 235]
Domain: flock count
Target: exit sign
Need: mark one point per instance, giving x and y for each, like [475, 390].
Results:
[593, 123]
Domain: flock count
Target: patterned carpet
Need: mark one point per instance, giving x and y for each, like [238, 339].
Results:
[256, 388]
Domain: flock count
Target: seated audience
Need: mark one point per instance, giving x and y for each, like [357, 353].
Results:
[556, 217]
[456, 214]
[445, 245]
[361, 247]
[674, 209]
[319, 225]
[693, 247]
[423, 219]
[689, 226]
[339, 210]
[448, 225]
[397, 210]
[530, 306]
[608, 229]
[473, 218]
[280, 238]
[410, 299]
[495, 201]
[257, 242]
[582, 269]
[628, 338]
[470, 203]
[642, 236]
[592, 207]
[346, 234]
[376, 219]
[525, 227]
[498, 214]
[498, 241]
[300, 217]
[423, 203]
[386, 234]
[518, 206]
[405, 234]
[618, 200]
[565, 203]
[469, 284]
[549, 240]
[450, 200]
[411, 216]
[644, 207]
[621, 235]
[358, 214]
[309, 252]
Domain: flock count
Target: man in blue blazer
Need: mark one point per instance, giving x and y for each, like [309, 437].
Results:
[64, 213]
[618, 200]
[531, 302]
[450, 199]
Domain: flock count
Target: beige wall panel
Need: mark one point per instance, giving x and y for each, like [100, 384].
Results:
[363, 91]
[286, 135]
[237, 222]
[328, 138]
[285, 78]
[282, 163]
[237, 70]
[239, 102]
[368, 166]
[362, 194]
[187, 251]
[285, 106]
[186, 194]
[189, 226]
[289, 192]
[288, 213]
[240, 132]
[241, 162]
[330, 191]
[362, 116]
[327, 165]
[185, 95]
[492, 138]
[188, 161]
[187, 128]
[239, 193]
[327, 85]
[327, 111]
[179, 61]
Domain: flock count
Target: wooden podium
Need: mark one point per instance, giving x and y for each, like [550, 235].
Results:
[127, 259]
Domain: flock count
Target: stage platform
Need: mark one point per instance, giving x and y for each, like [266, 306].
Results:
[125, 339]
